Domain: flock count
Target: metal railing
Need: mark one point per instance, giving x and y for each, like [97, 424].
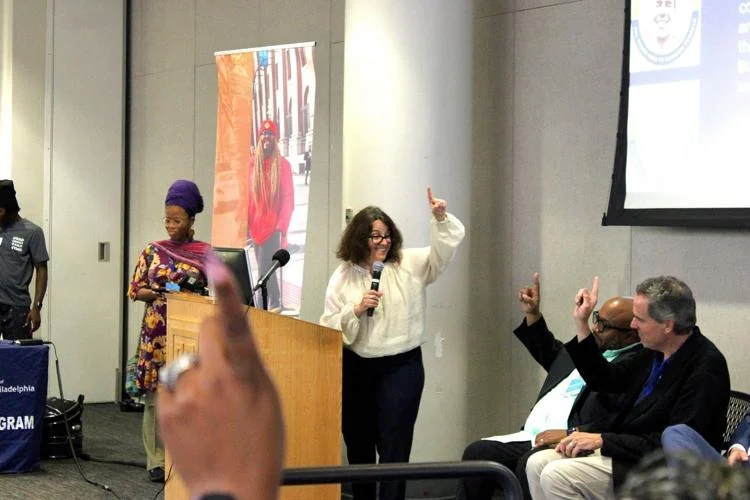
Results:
[503, 477]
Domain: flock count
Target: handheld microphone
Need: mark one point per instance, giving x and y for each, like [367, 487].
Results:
[280, 258]
[377, 268]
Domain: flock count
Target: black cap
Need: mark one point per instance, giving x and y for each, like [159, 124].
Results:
[8, 196]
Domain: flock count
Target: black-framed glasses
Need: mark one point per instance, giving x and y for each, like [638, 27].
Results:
[377, 238]
[605, 325]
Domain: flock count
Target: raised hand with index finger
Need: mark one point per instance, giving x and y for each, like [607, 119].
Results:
[530, 296]
[586, 301]
[438, 206]
[221, 419]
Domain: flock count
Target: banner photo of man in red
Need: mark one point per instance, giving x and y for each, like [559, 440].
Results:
[264, 151]
[270, 204]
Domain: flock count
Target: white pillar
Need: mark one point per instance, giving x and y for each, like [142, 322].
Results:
[407, 105]
[407, 125]
[6, 89]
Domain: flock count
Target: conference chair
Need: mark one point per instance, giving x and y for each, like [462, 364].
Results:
[739, 404]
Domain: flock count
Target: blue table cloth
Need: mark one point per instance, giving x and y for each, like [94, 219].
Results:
[23, 395]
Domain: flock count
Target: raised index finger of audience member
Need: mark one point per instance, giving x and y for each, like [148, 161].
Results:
[530, 295]
[595, 290]
[535, 290]
[222, 422]
[237, 343]
[585, 301]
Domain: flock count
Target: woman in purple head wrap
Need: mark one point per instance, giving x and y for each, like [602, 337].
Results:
[185, 194]
[172, 264]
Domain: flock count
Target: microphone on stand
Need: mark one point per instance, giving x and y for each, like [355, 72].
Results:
[280, 258]
[377, 268]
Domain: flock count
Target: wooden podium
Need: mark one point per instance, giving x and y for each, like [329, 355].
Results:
[304, 360]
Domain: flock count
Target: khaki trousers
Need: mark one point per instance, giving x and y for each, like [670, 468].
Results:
[552, 476]
[151, 442]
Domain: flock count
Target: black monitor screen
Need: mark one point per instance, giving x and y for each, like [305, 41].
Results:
[236, 260]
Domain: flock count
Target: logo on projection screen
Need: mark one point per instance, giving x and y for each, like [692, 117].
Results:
[662, 30]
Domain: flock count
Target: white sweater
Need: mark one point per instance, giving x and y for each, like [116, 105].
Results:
[398, 323]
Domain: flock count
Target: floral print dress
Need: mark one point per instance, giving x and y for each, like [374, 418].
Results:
[155, 268]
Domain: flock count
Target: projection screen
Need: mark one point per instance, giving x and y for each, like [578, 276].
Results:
[684, 114]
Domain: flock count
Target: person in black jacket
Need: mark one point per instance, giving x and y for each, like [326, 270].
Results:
[564, 402]
[680, 377]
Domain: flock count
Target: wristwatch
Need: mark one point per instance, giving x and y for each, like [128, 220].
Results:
[38, 304]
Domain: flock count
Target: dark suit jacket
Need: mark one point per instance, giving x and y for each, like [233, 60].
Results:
[742, 433]
[591, 411]
[693, 389]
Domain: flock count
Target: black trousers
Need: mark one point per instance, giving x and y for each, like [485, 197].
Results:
[513, 455]
[13, 324]
[380, 404]
[264, 256]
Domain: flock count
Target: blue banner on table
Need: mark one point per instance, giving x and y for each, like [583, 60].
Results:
[23, 394]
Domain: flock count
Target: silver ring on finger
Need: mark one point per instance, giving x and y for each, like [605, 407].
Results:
[169, 375]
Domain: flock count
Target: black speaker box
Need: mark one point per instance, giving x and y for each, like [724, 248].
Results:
[54, 434]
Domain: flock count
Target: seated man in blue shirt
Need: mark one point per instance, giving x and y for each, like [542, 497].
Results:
[564, 402]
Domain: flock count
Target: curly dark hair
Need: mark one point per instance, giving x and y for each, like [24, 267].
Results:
[354, 247]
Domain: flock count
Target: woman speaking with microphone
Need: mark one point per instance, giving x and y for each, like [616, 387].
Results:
[383, 374]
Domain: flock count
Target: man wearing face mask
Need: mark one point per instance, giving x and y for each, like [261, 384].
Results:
[271, 204]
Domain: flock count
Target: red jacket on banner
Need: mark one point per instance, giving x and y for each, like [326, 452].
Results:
[271, 211]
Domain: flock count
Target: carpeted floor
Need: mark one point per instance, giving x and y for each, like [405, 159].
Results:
[112, 442]
[108, 435]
